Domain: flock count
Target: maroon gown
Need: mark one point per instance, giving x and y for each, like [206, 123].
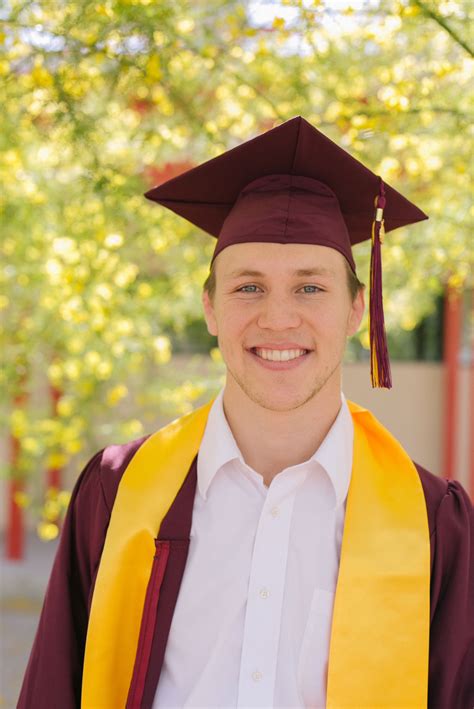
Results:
[54, 674]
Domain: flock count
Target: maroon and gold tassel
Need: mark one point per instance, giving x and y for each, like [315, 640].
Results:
[379, 358]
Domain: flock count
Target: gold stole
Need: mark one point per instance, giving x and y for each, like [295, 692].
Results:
[380, 629]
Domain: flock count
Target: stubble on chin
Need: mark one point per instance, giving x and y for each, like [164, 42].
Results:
[270, 403]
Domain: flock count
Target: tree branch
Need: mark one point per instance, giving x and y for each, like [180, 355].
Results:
[442, 23]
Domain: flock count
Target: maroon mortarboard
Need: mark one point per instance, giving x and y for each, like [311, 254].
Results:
[292, 184]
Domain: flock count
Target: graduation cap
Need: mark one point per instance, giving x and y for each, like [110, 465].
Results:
[293, 184]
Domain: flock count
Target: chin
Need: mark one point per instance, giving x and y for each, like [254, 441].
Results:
[279, 400]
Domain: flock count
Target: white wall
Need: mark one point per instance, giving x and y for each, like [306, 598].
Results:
[413, 410]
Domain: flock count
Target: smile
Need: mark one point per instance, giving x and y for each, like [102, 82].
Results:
[278, 355]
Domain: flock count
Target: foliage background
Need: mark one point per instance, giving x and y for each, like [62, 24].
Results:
[100, 288]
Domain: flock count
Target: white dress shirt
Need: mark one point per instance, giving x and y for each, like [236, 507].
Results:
[251, 626]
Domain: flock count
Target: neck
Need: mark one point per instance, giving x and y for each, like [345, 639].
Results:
[271, 441]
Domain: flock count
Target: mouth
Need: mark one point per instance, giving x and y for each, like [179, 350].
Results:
[279, 359]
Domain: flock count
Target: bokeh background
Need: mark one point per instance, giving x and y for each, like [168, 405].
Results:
[103, 338]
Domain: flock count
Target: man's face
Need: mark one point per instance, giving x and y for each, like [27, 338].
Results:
[282, 313]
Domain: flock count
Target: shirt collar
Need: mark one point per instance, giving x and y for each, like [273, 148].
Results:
[218, 447]
[335, 452]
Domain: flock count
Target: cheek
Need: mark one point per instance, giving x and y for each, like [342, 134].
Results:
[330, 323]
[231, 324]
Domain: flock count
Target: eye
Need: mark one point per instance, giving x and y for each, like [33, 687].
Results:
[243, 289]
[316, 289]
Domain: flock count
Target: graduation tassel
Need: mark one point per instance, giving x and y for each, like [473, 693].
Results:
[379, 358]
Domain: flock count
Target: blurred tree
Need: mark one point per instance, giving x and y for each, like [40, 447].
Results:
[103, 99]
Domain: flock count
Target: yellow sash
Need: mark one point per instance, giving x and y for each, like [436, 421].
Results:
[380, 629]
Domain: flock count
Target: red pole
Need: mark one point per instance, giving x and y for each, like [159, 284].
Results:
[15, 536]
[451, 345]
[15, 542]
[53, 476]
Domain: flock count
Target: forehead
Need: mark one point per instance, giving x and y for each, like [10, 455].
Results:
[273, 258]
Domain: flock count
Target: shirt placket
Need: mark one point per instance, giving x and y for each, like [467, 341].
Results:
[265, 598]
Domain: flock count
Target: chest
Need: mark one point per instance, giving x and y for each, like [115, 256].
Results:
[256, 596]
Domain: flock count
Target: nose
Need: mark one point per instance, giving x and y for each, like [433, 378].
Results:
[278, 313]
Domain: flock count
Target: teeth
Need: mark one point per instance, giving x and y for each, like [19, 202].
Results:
[279, 355]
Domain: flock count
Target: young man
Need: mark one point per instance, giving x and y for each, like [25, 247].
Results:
[277, 546]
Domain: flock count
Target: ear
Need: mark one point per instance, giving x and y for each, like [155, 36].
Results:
[209, 314]
[356, 314]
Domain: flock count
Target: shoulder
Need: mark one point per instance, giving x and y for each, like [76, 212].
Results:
[447, 503]
[96, 487]
[451, 524]
[434, 488]
[114, 460]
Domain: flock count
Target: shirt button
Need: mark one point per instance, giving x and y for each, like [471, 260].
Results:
[275, 511]
[264, 593]
[256, 676]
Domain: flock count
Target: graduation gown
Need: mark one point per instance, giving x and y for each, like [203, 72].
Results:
[53, 677]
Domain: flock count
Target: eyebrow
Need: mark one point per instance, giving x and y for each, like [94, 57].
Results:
[305, 272]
